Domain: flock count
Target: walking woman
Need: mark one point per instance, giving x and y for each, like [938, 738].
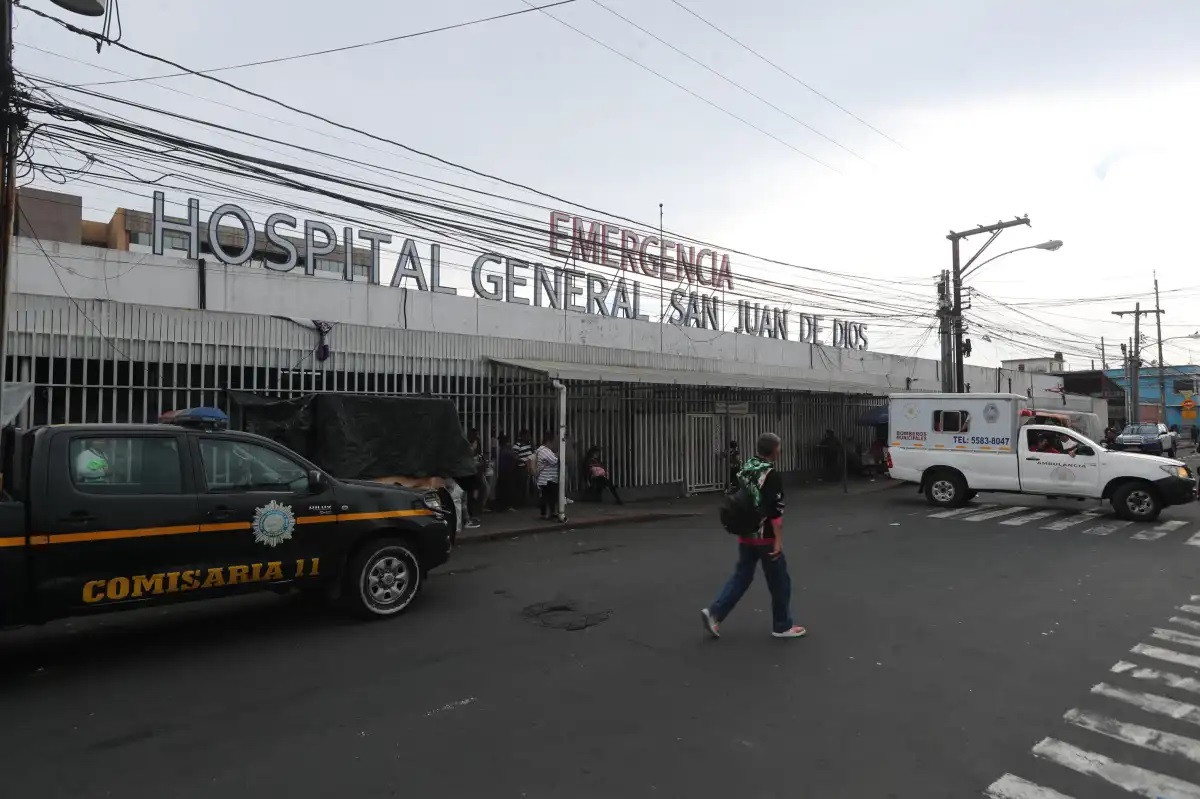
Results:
[547, 478]
[597, 476]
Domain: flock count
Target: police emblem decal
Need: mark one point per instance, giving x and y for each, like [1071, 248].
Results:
[273, 523]
[991, 413]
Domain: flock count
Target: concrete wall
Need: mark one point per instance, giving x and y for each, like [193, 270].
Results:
[49, 215]
[160, 282]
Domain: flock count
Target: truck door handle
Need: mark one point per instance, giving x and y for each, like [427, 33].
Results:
[1034, 459]
[79, 517]
[222, 512]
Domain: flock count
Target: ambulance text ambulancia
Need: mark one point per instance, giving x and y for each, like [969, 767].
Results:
[956, 445]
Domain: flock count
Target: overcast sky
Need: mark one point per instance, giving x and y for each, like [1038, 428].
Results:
[1082, 114]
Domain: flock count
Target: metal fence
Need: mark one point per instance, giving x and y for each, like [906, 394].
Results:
[136, 364]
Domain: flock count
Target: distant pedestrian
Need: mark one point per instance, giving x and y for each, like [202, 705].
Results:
[765, 486]
[598, 477]
[523, 450]
[547, 478]
[1195, 435]
[734, 457]
[508, 475]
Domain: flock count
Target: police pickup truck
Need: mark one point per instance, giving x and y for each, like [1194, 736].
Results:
[106, 517]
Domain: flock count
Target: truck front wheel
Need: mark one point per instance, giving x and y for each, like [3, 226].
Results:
[946, 489]
[383, 578]
[1137, 502]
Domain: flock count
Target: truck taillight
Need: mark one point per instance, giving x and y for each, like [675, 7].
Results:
[889, 459]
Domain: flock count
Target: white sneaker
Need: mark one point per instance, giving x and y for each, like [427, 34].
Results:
[711, 624]
[795, 632]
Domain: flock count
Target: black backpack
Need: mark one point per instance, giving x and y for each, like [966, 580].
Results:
[740, 514]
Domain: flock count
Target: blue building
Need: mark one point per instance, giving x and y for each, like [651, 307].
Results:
[1180, 383]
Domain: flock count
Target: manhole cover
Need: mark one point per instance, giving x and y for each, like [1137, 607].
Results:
[564, 615]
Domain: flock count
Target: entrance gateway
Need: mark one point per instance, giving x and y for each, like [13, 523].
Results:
[708, 437]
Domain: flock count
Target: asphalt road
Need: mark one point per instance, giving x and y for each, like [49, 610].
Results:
[941, 651]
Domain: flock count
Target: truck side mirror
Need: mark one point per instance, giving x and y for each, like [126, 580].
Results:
[316, 482]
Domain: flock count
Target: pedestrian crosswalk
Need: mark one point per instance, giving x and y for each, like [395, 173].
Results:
[1135, 695]
[1099, 522]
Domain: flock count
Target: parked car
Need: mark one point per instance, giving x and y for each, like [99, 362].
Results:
[1152, 439]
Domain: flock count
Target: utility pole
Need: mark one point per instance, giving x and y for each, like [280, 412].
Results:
[1135, 363]
[8, 178]
[944, 311]
[1103, 356]
[1162, 366]
[1125, 374]
[957, 328]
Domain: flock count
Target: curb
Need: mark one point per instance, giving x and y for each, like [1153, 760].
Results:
[582, 524]
[612, 521]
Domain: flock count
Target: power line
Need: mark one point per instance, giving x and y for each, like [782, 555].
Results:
[729, 80]
[683, 88]
[873, 283]
[771, 63]
[343, 49]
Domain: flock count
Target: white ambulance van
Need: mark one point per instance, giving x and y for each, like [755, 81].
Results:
[953, 446]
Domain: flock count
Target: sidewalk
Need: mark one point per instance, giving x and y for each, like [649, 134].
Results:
[589, 514]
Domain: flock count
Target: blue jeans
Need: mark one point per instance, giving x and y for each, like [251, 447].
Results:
[778, 581]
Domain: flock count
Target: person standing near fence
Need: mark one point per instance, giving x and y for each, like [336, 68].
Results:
[547, 478]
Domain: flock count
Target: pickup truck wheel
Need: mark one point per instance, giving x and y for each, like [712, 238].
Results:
[971, 495]
[383, 578]
[1137, 502]
[946, 490]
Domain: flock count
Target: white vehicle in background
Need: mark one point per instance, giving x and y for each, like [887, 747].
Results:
[953, 446]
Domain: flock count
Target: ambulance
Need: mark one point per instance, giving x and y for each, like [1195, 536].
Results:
[953, 446]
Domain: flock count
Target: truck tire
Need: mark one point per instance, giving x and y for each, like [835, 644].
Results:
[383, 578]
[971, 494]
[1137, 502]
[946, 489]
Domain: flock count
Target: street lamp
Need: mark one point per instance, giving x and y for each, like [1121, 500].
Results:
[89, 8]
[1050, 246]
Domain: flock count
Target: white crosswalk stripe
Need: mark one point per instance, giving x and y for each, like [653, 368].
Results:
[1151, 703]
[1011, 786]
[1159, 531]
[1032, 517]
[1167, 743]
[1167, 655]
[950, 514]
[1134, 779]
[1167, 678]
[1180, 621]
[995, 514]
[1176, 637]
[1106, 528]
[1071, 521]
[1190, 608]
[1194, 541]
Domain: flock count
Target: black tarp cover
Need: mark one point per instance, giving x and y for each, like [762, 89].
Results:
[356, 436]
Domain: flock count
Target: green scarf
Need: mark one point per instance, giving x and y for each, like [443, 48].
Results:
[751, 475]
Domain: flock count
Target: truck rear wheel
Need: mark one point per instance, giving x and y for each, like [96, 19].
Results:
[1137, 502]
[947, 489]
[383, 578]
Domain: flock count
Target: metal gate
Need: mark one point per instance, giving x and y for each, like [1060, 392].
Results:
[743, 428]
[705, 453]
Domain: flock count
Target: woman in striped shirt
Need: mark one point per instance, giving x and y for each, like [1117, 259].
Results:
[547, 478]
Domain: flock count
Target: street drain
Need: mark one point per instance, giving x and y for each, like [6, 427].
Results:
[563, 616]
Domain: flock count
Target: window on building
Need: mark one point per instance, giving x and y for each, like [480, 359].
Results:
[139, 238]
[240, 466]
[126, 465]
[328, 265]
[1186, 384]
[951, 421]
[176, 241]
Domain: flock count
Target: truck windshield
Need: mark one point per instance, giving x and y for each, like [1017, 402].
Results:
[1141, 430]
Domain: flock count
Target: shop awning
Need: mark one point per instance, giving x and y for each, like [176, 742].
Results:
[556, 370]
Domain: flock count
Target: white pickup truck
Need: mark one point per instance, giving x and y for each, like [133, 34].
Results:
[956, 445]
